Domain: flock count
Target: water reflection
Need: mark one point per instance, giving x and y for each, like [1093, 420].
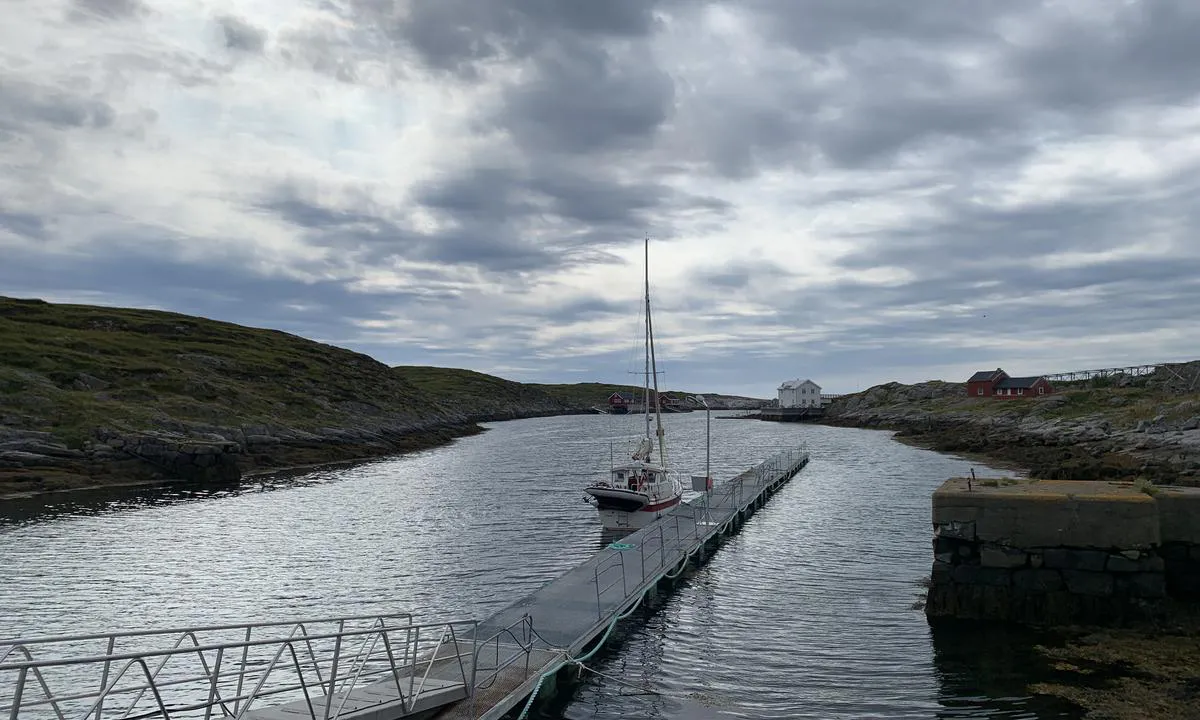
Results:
[607, 537]
[87, 502]
[987, 666]
[98, 501]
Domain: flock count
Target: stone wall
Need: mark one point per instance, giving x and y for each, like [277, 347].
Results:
[1050, 552]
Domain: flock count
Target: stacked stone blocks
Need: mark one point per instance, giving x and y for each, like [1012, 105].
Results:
[1061, 552]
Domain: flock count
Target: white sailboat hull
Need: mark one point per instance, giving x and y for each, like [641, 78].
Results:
[622, 509]
[621, 520]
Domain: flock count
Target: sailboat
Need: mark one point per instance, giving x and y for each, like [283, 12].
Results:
[641, 490]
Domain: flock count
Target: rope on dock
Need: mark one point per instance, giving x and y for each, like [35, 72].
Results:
[579, 661]
[608, 631]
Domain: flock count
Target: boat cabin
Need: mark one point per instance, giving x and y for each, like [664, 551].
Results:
[636, 476]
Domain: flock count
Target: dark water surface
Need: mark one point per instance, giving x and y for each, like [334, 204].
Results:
[807, 613]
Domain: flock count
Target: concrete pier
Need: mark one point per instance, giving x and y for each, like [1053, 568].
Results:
[1053, 552]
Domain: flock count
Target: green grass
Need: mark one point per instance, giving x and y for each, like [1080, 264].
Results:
[1123, 407]
[479, 392]
[152, 367]
[598, 393]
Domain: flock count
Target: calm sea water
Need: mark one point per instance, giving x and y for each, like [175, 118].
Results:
[807, 613]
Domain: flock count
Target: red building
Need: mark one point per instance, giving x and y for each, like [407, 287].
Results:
[982, 383]
[997, 383]
[624, 402]
[620, 402]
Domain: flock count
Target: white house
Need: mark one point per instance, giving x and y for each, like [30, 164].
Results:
[799, 393]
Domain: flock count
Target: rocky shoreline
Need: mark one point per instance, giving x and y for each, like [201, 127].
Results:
[34, 462]
[1145, 427]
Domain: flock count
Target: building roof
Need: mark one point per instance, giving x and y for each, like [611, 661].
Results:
[622, 395]
[1013, 383]
[985, 375]
[793, 384]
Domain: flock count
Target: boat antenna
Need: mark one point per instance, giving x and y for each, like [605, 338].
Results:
[659, 432]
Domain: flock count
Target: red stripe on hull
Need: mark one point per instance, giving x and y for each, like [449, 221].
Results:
[660, 506]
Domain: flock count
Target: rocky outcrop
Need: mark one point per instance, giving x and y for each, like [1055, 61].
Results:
[32, 462]
[1081, 433]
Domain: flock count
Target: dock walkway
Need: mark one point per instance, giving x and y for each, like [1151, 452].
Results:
[378, 667]
[574, 611]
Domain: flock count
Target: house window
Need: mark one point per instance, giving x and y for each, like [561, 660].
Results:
[979, 391]
[1041, 391]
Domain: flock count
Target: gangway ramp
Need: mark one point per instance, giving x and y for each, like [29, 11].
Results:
[378, 667]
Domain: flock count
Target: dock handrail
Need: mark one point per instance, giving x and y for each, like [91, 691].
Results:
[386, 649]
[523, 643]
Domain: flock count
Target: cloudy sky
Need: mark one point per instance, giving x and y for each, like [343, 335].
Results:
[855, 191]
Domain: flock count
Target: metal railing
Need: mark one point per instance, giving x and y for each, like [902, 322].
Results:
[521, 633]
[202, 672]
[1076, 375]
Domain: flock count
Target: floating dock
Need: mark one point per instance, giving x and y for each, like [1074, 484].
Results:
[796, 414]
[381, 667]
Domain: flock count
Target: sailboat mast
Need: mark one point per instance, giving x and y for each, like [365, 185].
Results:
[646, 375]
[653, 370]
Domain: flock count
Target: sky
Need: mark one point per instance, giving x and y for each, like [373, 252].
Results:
[853, 191]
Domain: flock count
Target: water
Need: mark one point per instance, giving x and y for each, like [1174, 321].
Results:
[807, 613]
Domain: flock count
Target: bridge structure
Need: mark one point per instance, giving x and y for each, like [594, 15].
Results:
[387, 666]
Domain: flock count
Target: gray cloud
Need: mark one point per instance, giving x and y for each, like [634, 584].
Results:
[585, 99]
[459, 36]
[241, 35]
[23, 105]
[741, 274]
[899, 89]
[27, 225]
[499, 219]
[107, 9]
[1137, 54]
[332, 51]
[820, 26]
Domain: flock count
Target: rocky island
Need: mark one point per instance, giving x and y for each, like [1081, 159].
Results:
[1118, 427]
[104, 396]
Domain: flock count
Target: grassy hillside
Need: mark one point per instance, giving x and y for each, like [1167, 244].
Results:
[68, 369]
[486, 396]
[598, 393]
[1123, 406]
[476, 392]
